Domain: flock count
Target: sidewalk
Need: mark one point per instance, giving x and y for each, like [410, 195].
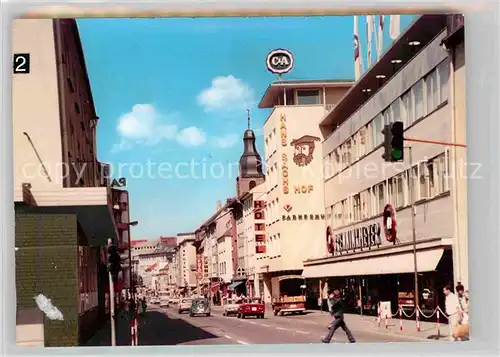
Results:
[428, 330]
[103, 336]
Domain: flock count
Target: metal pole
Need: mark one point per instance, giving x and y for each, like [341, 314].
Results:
[412, 203]
[112, 309]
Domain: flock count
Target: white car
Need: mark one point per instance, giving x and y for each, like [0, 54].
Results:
[184, 305]
[231, 307]
[164, 302]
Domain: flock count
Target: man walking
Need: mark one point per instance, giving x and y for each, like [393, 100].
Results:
[337, 311]
[452, 304]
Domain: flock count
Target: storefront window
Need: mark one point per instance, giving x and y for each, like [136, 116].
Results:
[356, 207]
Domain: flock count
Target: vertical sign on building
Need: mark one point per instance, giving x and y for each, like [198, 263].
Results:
[260, 227]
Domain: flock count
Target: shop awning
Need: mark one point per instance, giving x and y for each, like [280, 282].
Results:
[388, 264]
[233, 285]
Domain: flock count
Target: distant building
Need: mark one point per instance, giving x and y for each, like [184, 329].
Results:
[185, 256]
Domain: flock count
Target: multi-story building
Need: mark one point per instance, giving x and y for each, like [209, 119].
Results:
[62, 192]
[294, 173]
[251, 226]
[216, 250]
[185, 257]
[368, 236]
[248, 212]
[151, 257]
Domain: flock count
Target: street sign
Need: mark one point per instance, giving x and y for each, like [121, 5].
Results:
[121, 182]
[279, 61]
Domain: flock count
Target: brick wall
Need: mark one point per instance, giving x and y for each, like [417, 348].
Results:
[46, 263]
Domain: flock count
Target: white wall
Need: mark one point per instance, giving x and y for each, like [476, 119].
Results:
[291, 242]
[35, 106]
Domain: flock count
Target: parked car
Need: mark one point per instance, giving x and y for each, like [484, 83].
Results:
[184, 305]
[200, 306]
[155, 300]
[231, 307]
[251, 307]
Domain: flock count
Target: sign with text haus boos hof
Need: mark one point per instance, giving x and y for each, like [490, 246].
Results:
[259, 226]
[303, 156]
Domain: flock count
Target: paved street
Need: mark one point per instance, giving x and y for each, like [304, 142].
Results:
[217, 329]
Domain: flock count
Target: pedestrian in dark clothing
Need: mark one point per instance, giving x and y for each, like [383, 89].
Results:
[337, 312]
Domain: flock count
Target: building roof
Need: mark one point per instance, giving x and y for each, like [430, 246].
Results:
[424, 29]
[228, 203]
[171, 241]
[136, 243]
[275, 88]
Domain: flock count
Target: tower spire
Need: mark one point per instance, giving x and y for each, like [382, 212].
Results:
[248, 118]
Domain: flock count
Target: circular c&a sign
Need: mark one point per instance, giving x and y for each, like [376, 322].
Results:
[279, 61]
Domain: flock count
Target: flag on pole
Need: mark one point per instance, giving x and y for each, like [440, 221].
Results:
[358, 64]
[394, 27]
[369, 32]
[380, 37]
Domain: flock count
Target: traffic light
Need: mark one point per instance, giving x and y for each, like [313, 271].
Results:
[114, 261]
[393, 142]
[397, 143]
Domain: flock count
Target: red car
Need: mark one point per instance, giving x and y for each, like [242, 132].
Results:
[251, 307]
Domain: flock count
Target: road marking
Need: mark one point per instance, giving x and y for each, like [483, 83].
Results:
[242, 343]
[252, 322]
[264, 325]
[228, 337]
[302, 332]
[281, 328]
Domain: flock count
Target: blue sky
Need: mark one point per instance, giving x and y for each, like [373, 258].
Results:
[172, 91]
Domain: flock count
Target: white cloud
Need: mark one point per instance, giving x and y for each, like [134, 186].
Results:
[145, 125]
[191, 136]
[227, 141]
[226, 93]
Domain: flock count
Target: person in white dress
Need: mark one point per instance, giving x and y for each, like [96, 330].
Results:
[453, 310]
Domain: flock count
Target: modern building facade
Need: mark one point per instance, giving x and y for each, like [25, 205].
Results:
[62, 192]
[369, 254]
[294, 210]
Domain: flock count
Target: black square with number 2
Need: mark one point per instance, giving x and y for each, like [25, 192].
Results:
[21, 63]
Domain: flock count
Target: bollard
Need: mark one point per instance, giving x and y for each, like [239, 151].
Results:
[418, 320]
[400, 318]
[438, 324]
[136, 331]
[132, 337]
[378, 315]
[386, 325]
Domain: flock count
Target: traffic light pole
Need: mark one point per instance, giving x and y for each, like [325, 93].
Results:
[112, 310]
[414, 233]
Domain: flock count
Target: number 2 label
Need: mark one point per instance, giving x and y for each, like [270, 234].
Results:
[21, 63]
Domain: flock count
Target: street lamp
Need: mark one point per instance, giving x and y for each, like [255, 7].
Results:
[131, 280]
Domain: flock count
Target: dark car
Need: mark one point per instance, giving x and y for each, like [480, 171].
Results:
[251, 307]
[200, 307]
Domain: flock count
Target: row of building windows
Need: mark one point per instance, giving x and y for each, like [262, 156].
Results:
[273, 245]
[424, 97]
[272, 177]
[430, 179]
[271, 143]
[272, 211]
